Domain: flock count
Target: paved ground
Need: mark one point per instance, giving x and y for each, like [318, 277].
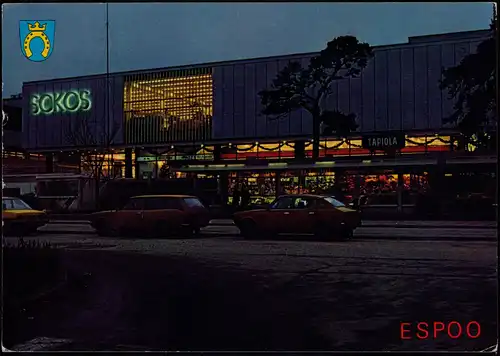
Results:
[480, 233]
[222, 293]
[368, 223]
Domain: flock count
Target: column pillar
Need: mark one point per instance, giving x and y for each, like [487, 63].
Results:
[339, 184]
[400, 191]
[194, 182]
[357, 186]
[278, 190]
[302, 180]
[223, 187]
[299, 149]
[49, 162]
[129, 165]
[217, 153]
[137, 166]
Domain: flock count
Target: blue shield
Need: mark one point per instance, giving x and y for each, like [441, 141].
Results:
[37, 39]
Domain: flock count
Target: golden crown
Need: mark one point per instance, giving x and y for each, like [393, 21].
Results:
[37, 27]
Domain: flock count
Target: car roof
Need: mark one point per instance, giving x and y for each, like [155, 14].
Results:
[163, 196]
[10, 198]
[303, 195]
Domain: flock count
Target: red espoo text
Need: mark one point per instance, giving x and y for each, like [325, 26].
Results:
[432, 330]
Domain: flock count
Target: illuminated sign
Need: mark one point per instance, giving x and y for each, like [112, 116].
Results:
[64, 102]
[384, 141]
[200, 157]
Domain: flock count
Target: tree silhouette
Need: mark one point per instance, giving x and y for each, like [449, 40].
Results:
[93, 145]
[473, 83]
[296, 88]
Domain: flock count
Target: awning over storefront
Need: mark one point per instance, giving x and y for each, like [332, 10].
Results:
[286, 166]
[276, 166]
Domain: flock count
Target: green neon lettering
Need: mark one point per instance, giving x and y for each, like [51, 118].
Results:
[35, 107]
[72, 107]
[70, 101]
[46, 103]
[85, 102]
[58, 103]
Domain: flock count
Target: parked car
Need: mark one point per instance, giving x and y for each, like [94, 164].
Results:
[321, 215]
[19, 218]
[153, 215]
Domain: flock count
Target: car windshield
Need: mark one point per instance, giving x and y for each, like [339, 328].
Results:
[193, 203]
[15, 204]
[334, 202]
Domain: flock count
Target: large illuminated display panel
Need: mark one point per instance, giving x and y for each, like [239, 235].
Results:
[54, 110]
[168, 106]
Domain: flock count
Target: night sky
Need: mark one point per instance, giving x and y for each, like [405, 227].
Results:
[159, 35]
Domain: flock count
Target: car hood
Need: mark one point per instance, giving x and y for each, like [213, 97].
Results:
[104, 212]
[346, 210]
[23, 212]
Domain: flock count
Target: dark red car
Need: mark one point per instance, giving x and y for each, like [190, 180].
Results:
[321, 215]
[153, 215]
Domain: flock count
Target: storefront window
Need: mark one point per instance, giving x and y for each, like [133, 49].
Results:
[112, 165]
[261, 186]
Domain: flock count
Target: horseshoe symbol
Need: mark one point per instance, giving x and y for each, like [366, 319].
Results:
[33, 35]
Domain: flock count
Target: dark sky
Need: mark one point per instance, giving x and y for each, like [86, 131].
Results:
[160, 35]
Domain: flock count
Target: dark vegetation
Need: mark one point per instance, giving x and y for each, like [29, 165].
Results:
[29, 268]
[298, 88]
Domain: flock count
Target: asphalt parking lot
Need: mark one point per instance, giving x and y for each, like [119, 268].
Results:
[474, 231]
[271, 295]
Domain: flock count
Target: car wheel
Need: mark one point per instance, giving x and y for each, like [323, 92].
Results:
[187, 231]
[31, 231]
[249, 230]
[105, 231]
[346, 233]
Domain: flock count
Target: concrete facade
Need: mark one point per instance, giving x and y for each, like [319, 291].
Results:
[398, 90]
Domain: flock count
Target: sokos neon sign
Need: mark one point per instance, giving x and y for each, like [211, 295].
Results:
[65, 102]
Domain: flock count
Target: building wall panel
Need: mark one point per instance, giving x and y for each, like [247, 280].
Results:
[218, 94]
[55, 130]
[306, 122]
[261, 82]
[272, 125]
[394, 87]
[434, 93]
[228, 97]
[421, 88]
[447, 61]
[283, 125]
[239, 81]
[381, 87]
[407, 89]
[251, 99]
[398, 90]
[356, 100]
[367, 122]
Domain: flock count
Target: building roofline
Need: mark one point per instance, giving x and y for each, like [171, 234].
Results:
[452, 36]
[419, 41]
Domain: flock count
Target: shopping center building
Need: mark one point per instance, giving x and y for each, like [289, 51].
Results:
[205, 122]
